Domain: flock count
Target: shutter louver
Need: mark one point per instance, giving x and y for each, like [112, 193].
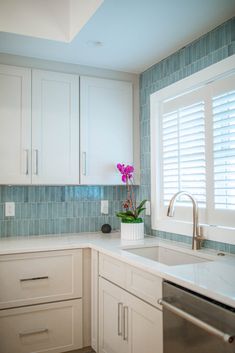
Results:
[224, 150]
[183, 149]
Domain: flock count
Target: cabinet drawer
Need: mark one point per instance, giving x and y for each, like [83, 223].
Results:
[112, 269]
[40, 277]
[144, 285]
[55, 327]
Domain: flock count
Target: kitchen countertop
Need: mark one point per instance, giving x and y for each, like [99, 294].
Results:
[214, 279]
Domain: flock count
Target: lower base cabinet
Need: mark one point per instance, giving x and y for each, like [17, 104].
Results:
[54, 328]
[126, 323]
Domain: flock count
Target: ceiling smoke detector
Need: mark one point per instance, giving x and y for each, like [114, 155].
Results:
[95, 43]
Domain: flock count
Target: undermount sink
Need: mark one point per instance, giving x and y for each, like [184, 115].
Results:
[167, 256]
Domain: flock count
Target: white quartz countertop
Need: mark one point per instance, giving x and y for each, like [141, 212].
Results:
[214, 279]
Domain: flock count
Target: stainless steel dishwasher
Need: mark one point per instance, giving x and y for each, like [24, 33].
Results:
[195, 324]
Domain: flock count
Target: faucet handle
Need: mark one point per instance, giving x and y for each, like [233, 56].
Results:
[198, 240]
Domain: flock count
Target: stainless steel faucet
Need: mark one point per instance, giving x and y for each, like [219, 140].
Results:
[196, 240]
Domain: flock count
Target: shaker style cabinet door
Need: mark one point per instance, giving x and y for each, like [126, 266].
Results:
[143, 326]
[111, 329]
[106, 118]
[15, 125]
[55, 128]
[127, 324]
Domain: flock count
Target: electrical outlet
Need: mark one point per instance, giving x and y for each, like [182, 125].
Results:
[147, 208]
[10, 209]
[104, 206]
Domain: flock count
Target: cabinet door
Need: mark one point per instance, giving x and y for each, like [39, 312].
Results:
[111, 303]
[55, 128]
[106, 129]
[94, 299]
[15, 122]
[142, 326]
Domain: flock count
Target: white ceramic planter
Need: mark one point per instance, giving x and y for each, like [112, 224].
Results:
[132, 231]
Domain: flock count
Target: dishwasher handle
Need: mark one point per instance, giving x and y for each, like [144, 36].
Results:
[197, 322]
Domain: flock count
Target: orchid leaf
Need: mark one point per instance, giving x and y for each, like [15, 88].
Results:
[130, 213]
[134, 220]
[141, 204]
[125, 214]
[140, 210]
[128, 218]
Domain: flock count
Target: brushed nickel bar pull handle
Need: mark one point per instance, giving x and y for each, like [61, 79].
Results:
[35, 169]
[125, 321]
[37, 162]
[33, 278]
[120, 308]
[27, 162]
[197, 322]
[33, 332]
[84, 163]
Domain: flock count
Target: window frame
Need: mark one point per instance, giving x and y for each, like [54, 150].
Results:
[159, 220]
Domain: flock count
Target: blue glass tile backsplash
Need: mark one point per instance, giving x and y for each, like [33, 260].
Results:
[58, 209]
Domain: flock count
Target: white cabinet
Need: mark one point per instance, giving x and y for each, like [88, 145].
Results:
[94, 299]
[143, 326]
[130, 319]
[106, 122]
[43, 141]
[144, 285]
[126, 323]
[55, 128]
[15, 125]
[44, 301]
[39, 144]
[35, 278]
[111, 299]
[45, 328]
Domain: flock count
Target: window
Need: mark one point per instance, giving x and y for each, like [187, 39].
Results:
[183, 152]
[224, 150]
[193, 148]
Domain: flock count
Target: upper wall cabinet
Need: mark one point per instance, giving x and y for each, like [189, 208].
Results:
[15, 125]
[106, 123]
[40, 140]
[55, 128]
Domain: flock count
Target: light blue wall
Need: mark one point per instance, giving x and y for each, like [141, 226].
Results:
[207, 50]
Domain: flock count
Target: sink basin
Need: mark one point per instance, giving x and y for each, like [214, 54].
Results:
[167, 256]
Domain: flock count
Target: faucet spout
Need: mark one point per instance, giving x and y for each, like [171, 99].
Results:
[196, 240]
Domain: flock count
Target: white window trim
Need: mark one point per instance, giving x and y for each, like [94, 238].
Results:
[159, 221]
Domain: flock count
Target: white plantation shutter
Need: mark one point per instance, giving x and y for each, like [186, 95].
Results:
[183, 153]
[195, 151]
[224, 150]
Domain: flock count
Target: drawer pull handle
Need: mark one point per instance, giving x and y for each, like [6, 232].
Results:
[33, 278]
[120, 308]
[125, 335]
[33, 332]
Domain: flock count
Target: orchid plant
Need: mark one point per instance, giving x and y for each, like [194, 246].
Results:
[131, 211]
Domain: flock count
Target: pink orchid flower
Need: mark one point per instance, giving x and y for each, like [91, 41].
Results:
[126, 171]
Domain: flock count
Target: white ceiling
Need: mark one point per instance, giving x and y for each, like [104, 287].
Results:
[51, 19]
[127, 35]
